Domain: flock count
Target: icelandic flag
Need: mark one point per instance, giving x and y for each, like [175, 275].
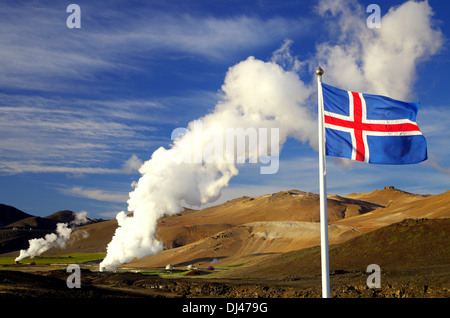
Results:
[371, 128]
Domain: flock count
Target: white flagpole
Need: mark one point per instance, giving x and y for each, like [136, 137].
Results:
[323, 191]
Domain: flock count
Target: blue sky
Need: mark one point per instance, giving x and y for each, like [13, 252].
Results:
[81, 109]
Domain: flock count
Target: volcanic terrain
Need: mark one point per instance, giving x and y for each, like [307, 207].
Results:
[270, 246]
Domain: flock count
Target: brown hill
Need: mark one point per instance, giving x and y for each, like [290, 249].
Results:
[11, 241]
[98, 236]
[15, 235]
[64, 216]
[48, 223]
[246, 242]
[245, 228]
[387, 196]
[400, 206]
[402, 246]
[239, 244]
[192, 225]
[33, 223]
[10, 214]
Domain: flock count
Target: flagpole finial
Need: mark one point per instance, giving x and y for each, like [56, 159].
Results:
[319, 71]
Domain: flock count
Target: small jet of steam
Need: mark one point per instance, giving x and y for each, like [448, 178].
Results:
[37, 246]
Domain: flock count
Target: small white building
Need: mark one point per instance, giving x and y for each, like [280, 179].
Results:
[169, 267]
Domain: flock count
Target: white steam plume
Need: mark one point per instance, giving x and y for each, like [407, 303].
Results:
[257, 95]
[261, 94]
[59, 239]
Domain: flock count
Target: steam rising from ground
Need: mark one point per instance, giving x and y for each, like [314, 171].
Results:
[59, 239]
[257, 95]
[263, 95]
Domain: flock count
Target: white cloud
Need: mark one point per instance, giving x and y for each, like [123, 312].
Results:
[73, 135]
[215, 37]
[96, 194]
[10, 167]
[39, 52]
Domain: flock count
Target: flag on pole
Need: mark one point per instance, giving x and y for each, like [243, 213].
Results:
[323, 193]
[371, 128]
[363, 127]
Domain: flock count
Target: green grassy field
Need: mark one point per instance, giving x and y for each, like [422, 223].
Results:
[58, 259]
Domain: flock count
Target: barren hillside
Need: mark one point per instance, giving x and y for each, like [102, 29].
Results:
[293, 205]
[403, 206]
[247, 228]
[405, 246]
[246, 242]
